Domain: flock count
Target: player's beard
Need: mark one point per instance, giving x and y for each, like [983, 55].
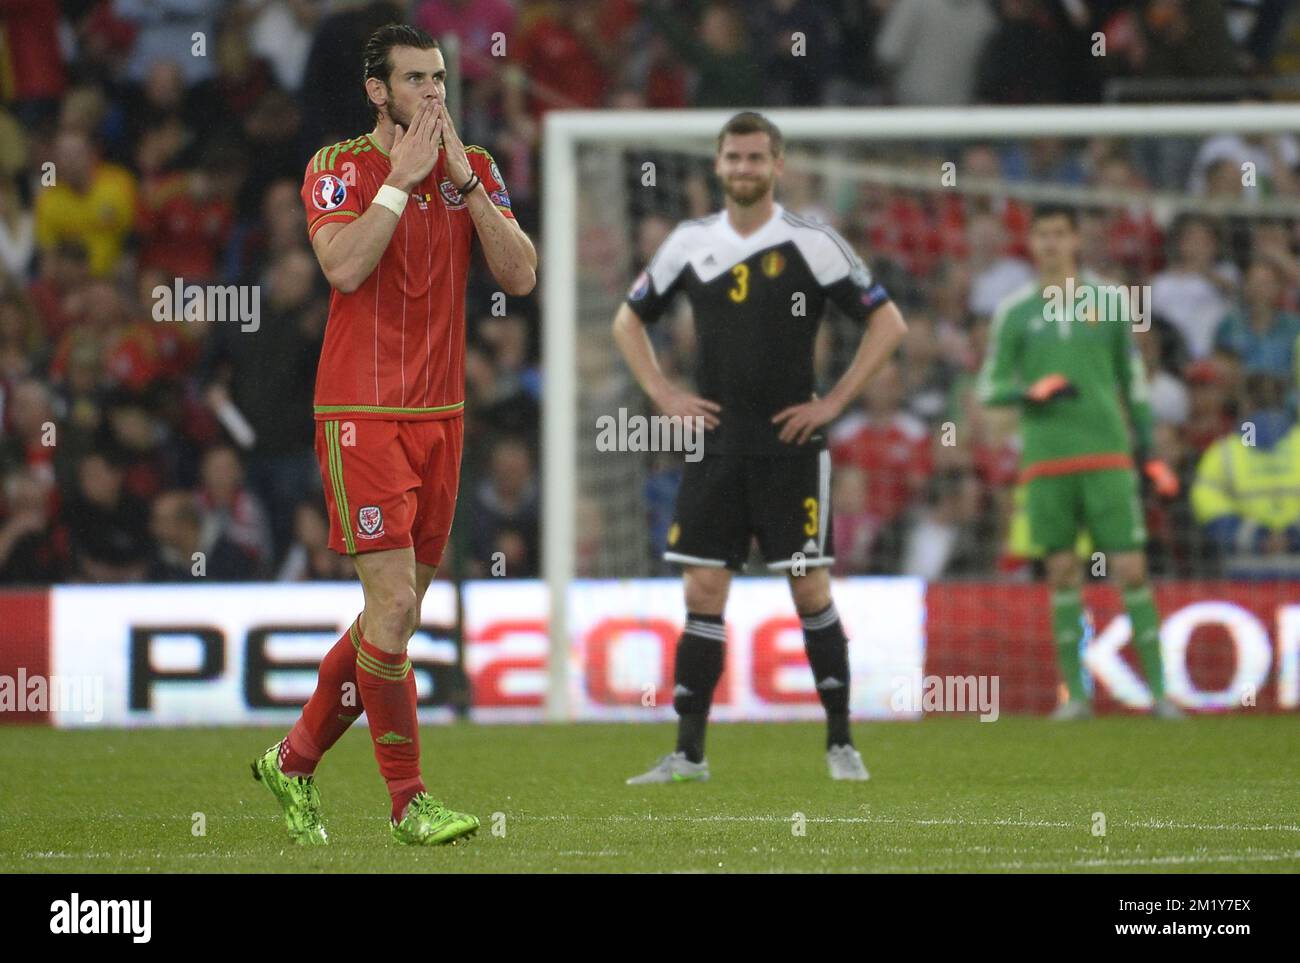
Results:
[397, 117]
[746, 191]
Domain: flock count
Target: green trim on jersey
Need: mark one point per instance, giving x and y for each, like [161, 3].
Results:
[320, 221]
[327, 157]
[385, 409]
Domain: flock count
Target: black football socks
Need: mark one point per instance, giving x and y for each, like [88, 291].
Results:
[828, 655]
[700, 655]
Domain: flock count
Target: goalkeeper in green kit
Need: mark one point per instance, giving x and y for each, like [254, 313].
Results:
[1062, 349]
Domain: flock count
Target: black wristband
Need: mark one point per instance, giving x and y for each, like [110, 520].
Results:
[473, 182]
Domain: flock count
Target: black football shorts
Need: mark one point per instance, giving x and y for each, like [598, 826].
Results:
[726, 500]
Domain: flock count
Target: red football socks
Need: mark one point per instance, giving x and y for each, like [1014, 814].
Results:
[333, 707]
[388, 690]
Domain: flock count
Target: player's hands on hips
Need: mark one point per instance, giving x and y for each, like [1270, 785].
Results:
[1050, 386]
[458, 168]
[798, 422]
[682, 404]
[415, 150]
[1163, 480]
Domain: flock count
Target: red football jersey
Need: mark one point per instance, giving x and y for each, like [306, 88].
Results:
[894, 453]
[395, 347]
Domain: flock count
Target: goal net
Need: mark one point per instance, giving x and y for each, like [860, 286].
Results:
[1186, 211]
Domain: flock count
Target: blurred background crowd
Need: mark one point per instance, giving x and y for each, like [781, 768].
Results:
[178, 158]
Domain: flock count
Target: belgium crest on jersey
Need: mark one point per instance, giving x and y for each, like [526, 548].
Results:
[773, 263]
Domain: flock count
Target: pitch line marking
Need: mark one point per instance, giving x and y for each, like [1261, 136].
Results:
[847, 820]
[938, 821]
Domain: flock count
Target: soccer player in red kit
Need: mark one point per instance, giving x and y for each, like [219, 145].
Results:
[392, 215]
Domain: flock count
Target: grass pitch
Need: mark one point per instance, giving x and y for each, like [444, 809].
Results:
[1208, 794]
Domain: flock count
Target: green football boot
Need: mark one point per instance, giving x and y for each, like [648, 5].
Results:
[297, 795]
[429, 823]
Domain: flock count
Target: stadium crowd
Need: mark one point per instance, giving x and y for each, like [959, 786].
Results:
[146, 144]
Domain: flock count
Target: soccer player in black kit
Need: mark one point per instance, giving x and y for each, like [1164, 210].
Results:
[758, 279]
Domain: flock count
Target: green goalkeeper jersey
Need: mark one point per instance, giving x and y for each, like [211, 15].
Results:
[1088, 339]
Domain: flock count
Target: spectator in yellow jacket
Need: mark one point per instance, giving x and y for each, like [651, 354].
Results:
[1247, 489]
[88, 200]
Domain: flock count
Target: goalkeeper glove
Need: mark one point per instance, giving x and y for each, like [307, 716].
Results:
[1048, 387]
[1162, 478]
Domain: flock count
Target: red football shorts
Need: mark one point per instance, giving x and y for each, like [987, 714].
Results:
[390, 484]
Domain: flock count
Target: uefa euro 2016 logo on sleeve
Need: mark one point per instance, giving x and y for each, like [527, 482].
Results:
[328, 192]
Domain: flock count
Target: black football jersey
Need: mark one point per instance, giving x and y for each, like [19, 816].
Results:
[757, 302]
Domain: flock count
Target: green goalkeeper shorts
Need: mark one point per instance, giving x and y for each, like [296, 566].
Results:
[1104, 502]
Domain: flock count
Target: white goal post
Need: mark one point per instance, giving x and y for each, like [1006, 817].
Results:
[565, 132]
